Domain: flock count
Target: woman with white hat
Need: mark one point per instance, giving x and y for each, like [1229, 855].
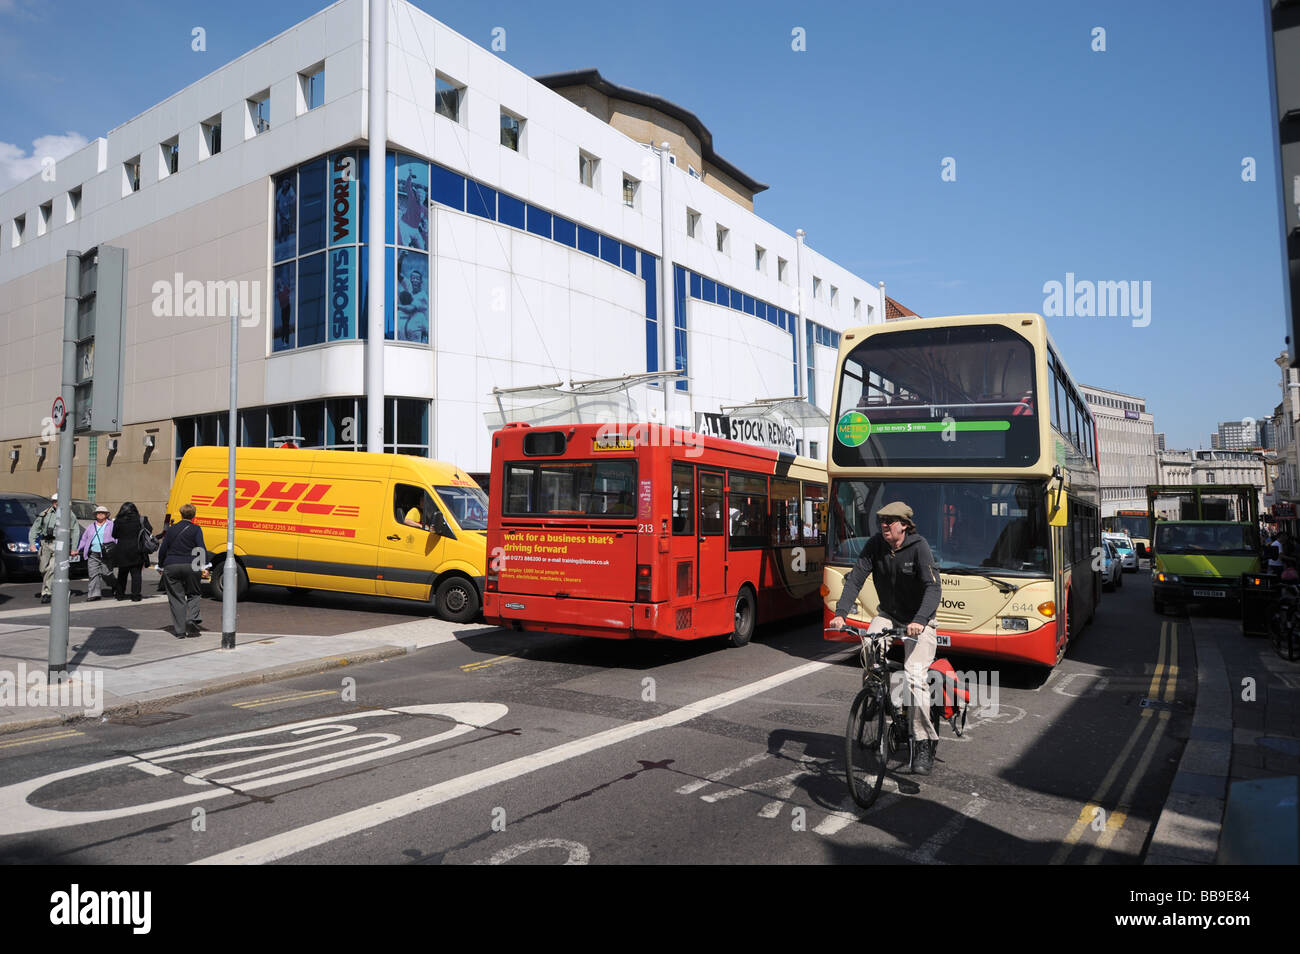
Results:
[94, 549]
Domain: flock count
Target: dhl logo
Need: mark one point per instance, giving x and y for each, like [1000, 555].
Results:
[278, 496]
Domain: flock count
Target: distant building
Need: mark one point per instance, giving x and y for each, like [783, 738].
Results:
[1160, 443]
[1126, 443]
[1268, 432]
[1215, 442]
[895, 309]
[1238, 435]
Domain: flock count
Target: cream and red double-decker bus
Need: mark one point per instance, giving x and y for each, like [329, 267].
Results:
[976, 424]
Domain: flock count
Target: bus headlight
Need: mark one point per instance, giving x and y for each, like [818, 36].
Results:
[1015, 622]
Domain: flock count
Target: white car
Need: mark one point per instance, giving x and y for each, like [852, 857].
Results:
[1124, 549]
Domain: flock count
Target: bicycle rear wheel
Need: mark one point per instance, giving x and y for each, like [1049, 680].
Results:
[864, 741]
[1286, 643]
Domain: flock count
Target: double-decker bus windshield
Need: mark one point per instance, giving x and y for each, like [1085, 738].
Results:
[1134, 524]
[975, 527]
[952, 396]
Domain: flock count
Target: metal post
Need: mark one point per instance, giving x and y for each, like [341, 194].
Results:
[377, 196]
[229, 596]
[800, 336]
[60, 596]
[667, 328]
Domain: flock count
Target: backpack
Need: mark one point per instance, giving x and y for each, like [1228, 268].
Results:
[956, 698]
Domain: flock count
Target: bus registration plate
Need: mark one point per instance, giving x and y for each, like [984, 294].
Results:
[941, 640]
[1210, 593]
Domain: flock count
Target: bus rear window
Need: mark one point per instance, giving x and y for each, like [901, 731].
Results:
[545, 444]
[571, 488]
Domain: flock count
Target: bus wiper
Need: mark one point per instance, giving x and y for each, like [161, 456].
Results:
[1003, 586]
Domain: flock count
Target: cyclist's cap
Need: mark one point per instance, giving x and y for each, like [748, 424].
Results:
[896, 509]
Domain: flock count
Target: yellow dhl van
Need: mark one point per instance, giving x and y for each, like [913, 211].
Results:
[336, 520]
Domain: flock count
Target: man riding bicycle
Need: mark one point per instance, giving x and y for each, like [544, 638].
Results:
[902, 567]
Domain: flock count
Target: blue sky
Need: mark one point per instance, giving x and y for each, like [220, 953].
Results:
[1122, 165]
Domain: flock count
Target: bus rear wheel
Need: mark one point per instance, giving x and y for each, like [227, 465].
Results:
[745, 618]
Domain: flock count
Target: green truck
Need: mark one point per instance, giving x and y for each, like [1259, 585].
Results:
[1210, 551]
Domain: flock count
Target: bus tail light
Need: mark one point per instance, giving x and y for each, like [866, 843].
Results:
[643, 583]
[824, 590]
[1048, 609]
[490, 581]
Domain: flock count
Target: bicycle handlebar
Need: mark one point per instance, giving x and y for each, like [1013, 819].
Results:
[897, 632]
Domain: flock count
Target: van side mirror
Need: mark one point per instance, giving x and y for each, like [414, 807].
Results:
[438, 524]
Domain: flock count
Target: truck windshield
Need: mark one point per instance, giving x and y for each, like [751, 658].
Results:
[1229, 540]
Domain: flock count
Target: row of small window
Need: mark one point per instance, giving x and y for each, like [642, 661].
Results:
[45, 217]
[1070, 413]
[787, 513]
[450, 101]
[1084, 535]
[330, 424]
[1103, 401]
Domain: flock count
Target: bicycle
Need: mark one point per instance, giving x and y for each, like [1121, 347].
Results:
[1286, 620]
[874, 744]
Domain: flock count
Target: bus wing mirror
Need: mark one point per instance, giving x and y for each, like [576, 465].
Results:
[1056, 506]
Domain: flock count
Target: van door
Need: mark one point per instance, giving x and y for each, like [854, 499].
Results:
[408, 555]
[336, 527]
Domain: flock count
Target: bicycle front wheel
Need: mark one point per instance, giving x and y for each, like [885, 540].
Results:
[864, 739]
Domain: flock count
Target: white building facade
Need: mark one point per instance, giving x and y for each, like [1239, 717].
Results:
[528, 241]
[1126, 444]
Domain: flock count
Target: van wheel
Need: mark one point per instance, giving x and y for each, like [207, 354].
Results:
[218, 581]
[456, 599]
[746, 615]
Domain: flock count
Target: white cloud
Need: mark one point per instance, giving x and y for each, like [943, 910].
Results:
[17, 166]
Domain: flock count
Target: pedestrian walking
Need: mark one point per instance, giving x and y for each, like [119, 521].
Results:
[96, 546]
[42, 532]
[135, 541]
[181, 554]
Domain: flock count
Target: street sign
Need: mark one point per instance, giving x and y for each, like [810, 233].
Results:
[58, 412]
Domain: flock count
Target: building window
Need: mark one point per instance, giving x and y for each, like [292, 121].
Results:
[74, 203]
[131, 176]
[43, 214]
[630, 187]
[587, 168]
[690, 171]
[20, 226]
[211, 138]
[311, 83]
[692, 223]
[760, 258]
[171, 157]
[835, 297]
[814, 450]
[512, 130]
[723, 233]
[817, 287]
[781, 269]
[448, 98]
[857, 309]
[259, 112]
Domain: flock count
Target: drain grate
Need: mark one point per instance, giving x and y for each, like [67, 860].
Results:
[1156, 704]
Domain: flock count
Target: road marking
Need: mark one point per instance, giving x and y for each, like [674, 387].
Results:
[47, 737]
[371, 816]
[692, 787]
[283, 697]
[1094, 689]
[1089, 810]
[579, 854]
[483, 664]
[925, 855]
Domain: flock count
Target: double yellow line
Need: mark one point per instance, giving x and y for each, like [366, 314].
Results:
[1166, 671]
[283, 697]
[483, 664]
[60, 733]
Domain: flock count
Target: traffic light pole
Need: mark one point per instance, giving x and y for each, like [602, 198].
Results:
[60, 595]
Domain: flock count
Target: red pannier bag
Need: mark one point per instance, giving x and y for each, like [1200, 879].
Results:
[956, 698]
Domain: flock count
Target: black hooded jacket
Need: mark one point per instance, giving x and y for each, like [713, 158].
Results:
[907, 581]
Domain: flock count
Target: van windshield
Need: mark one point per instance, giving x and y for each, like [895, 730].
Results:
[469, 505]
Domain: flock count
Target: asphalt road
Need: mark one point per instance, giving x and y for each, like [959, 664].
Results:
[508, 747]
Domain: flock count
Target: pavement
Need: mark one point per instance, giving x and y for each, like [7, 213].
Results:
[1245, 726]
[118, 670]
